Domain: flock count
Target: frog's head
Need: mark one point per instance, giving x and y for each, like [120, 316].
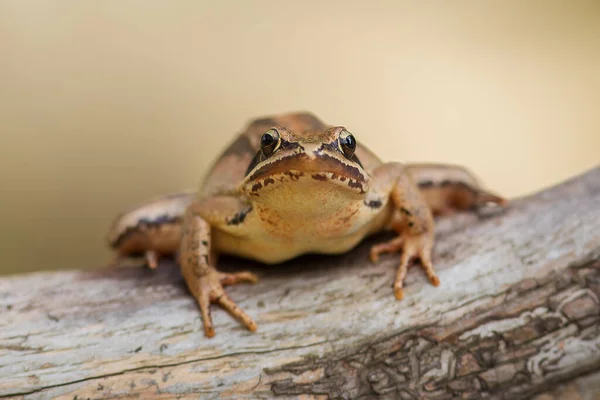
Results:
[291, 164]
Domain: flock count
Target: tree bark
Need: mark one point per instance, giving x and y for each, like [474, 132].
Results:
[517, 315]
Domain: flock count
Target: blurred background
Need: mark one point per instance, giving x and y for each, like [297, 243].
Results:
[104, 104]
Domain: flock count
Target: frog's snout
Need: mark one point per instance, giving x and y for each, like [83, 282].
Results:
[311, 150]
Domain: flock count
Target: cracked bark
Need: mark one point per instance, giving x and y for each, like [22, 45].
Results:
[517, 315]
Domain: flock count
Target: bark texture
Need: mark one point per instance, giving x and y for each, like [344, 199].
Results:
[517, 315]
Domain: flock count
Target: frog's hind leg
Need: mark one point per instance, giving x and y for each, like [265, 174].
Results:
[451, 188]
[152, 230]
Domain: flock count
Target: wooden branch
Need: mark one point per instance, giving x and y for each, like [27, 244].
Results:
[517, 313]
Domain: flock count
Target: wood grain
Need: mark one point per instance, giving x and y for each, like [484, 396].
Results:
[517, 314]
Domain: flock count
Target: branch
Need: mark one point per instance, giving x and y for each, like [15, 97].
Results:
[517, 313]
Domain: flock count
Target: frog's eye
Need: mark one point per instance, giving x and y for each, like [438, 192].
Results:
[347, 143]
[269, 142]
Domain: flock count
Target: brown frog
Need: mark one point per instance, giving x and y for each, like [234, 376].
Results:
[291, 185]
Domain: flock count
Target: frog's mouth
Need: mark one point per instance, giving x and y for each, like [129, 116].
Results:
[302, 169]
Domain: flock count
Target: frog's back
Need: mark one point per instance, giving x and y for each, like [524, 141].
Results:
[230, 168]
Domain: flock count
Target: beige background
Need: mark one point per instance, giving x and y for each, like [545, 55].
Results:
[103, 104]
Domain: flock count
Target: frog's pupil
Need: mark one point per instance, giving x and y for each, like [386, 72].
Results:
[267, 140]
[350, 142]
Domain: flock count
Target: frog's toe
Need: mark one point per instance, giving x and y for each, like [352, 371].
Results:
[203, 300]
[151, 259]
[225, 301]
[425, 257]
[150, 256]
[391, 246]
[242, 276]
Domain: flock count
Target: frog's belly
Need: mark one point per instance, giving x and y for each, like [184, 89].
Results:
[267, 246]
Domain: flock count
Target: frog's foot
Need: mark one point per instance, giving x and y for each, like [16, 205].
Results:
[209, 289]
[488, 204]
[151, 259]
[150, 256]
[412, 246]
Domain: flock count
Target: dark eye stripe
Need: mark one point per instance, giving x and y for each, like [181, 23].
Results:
[260, 157]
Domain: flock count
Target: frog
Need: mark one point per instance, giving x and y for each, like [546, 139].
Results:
[288, 185]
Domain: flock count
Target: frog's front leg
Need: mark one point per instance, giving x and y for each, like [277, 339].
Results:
[197, 261]
[412, 220]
